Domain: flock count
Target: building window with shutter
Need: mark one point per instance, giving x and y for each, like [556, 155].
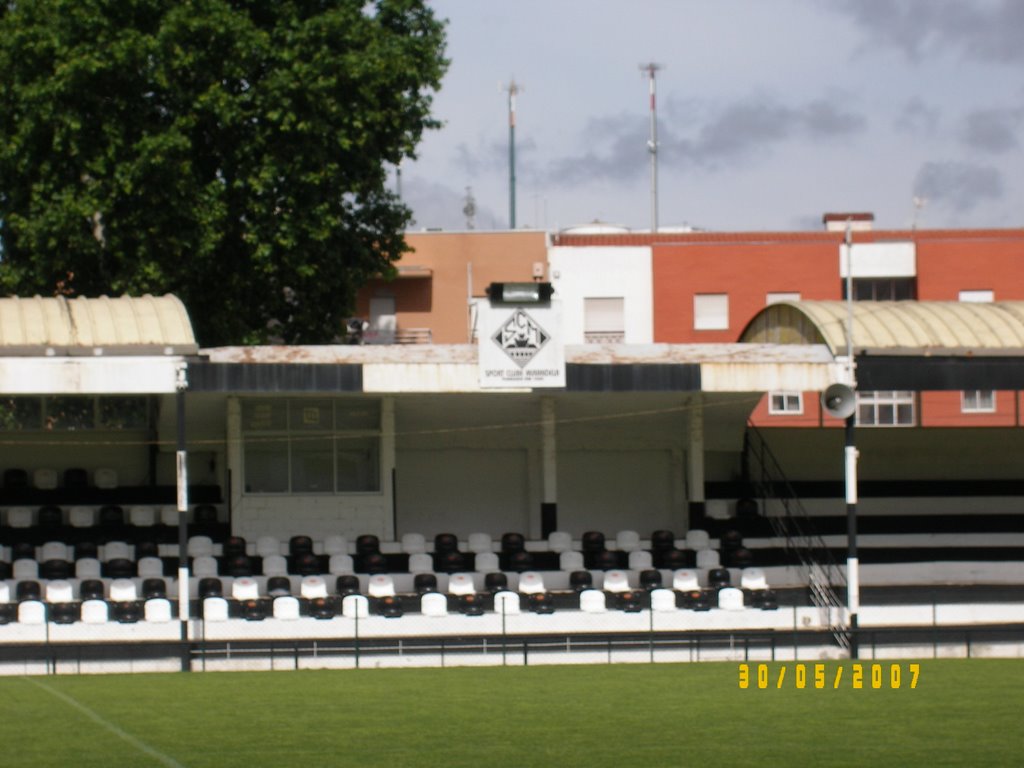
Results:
[604, 320]
[711, 312]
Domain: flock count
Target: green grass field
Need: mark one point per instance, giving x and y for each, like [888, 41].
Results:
[962, 712]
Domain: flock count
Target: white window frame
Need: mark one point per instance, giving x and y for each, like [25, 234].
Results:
[879, 402]
[974, 401]
[977, 296]
[789, 403]
[604, 319]
[711, 312]
[777, 297]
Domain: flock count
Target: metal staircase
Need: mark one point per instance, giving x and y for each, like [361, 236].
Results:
[791, 523]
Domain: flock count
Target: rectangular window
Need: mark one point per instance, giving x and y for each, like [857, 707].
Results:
[711, 312]
[885, 409]
[311, 445]
[882, 289]
[978, 297]
[780, 403]
[978, 401]
[775, 297]
[604, 320]
[66, 413]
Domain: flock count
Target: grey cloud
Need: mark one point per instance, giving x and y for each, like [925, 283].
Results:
[993, 130]
[918, 118]
[989, 30]
[960, 186]
[436, 206]
[618, 145]
[491, 156]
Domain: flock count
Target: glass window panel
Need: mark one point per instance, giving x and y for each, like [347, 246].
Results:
[904, 413]
[357, 414]
[358, 464]
[264, 415]
[69, 413]
[266, 466]
[17, 413]
[304, 415]
[312, 465]
[123, 412]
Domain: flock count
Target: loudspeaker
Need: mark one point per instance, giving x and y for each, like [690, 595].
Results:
[839, 401]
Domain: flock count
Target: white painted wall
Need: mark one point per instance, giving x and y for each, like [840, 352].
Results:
[604, 272]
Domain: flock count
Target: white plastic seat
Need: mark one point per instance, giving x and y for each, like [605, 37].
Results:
[616, 581]
[685, 580]
[335, 545]
[81, 517]
[116, 550]
[753, 578]
[380, 585]
[355, 606]
[730, 599]
[44, 479]
[204, 567]
[506, 603]
[5, 592]
[88, 568]
[54, 550]
[697, 539]
[461, 584]
[59, 591]
[708, 558]
[31, 612]
[95, 612]
[434, 604]
[340, 563]
[215, 609]
[123, 591]
[313, 587]
[151, 568]
[200, 546]
[627, 541]
[267, 546]
[478, 543]
[142, 517]
[663, 600]
[421, 563]
[413, 543]
[23, 568]
[169, 516]
[19, 517]
[245, 588]
[105, 477]
[571, 561]
[286, 608]
[593, 601]
[158, 610]
[560, 541]
[639, 560]
[275, 565]
[531, 583]
[487, 562]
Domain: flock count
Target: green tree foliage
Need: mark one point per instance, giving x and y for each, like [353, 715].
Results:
[233, 152]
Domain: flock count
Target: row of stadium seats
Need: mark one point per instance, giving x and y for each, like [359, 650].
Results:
[107, 522]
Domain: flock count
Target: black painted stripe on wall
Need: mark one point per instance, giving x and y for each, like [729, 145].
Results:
[633, 377]
[935, 374]
[274, 377]
[895, 489]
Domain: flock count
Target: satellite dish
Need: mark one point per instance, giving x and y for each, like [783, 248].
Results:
[839, 401]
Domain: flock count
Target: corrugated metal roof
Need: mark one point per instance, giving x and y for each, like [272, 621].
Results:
[896, 327]
[93, 326]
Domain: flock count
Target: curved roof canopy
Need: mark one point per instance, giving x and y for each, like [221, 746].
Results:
[82, 326]
[916, 328]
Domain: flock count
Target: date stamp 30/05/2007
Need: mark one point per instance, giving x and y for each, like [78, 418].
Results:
[873, 676]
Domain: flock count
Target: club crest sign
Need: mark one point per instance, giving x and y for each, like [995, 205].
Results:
[519, 347]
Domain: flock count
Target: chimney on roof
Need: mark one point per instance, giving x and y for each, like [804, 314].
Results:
[859, 222]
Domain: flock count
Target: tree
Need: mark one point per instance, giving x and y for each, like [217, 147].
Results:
[233, 152]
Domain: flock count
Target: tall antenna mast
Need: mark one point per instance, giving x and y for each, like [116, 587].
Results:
[652, 143]
[512, 89]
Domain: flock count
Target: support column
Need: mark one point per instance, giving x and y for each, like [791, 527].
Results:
[181, 462]
[695, 460]
[388, 464]
[852, 561]
[549, 468]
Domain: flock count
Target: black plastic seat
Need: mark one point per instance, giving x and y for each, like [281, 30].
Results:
[52, 570]
[674, 559]
[739, 558]
[719, 578]
[65, 613]
[512, 542]
[423, 583]
[28, 590]
[367, 544]
[253, 610]
[84, 549]
[493, 582]
[91, 589]
[16, 479]
[731, 539]
[662, 540]
[238, 566]
[449, 562]
[234, 546]
[127, 612]
[279, 586]
[205, 515]
[111, 516]
[650, 579]
[23, 550]
[119, 568]
[153, 589]
[146, 549]
[604, 560]
[446, 542]
[76, 479]
[592, 541]
[389, 607]
[321, 608]
[51, 518]
[306, 564]
[540, 602]
[373, 562]
[210, 587]
[348, 584]
[300, 545]
[580, 580]
[5, 570]
[517, 562]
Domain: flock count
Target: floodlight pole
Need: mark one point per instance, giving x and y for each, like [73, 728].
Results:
[850, 453]
[181, 385]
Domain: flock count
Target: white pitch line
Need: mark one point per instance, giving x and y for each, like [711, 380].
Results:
[121, 734]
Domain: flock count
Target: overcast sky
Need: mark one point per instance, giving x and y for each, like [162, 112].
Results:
[770, 113]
